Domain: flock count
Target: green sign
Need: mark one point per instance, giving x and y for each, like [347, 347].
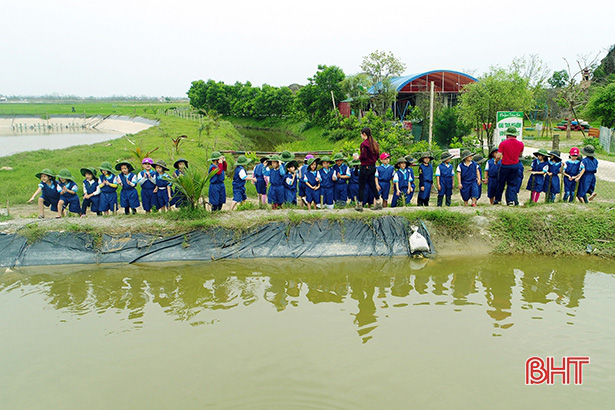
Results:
[508, 119]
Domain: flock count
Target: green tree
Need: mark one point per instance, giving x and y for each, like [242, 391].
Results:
[605, 72]
[315, 98]
[559, 79]
[447, 126]
[381, 67]
[601, 105]
[356, 87]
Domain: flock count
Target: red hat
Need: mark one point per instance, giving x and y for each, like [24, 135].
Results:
[384, 155]
[574, 151]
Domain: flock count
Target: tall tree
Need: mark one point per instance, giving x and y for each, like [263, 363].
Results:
[315, 98]
[381, 66]
[601, 105]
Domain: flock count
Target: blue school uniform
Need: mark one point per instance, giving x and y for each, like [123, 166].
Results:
[468, 180]
[493, 169]
[90, 187]
[71, 201]
[554, 187]
[217, 191]
[162, 196]
[300, 181]
[446, 173]
[311, 195]
[239, 184]
[290, 188]
[259, 174]
[147, 180]
[536, 182]
[587, 183]
[425, 180]
[108, 194]
[326, 185]
[571, 168]
[129, 198]
[384, 173]
[276, 194]
[340, 187]
[478, 188]
[50, 195]
[403, 177]
[353, 184]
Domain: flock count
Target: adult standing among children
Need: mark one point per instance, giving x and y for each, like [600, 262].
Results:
[369, 155]
[510, 149]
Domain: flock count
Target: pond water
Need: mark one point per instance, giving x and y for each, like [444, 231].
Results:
[333, 333]
[12, 144]
[265, 139]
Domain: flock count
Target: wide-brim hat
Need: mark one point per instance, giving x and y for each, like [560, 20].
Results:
[426, 155]
[91, 170]
[410, 159]
[242, 160]
[106, 166]
[47, 172]
[512, 131]
[275, 157]
[292, 163]
[465, 154]
[310, 161]
[326, 158]
[478, 158]
[215, 156]
[286, 156]
[556, 153]
[339, 156]
[542, 152]
[353, 162]
[161, 164]
[118, 166]
[492, 150]
[588, 151]
[445, 155]
[65, 174]
[401, 160]
[176, 163]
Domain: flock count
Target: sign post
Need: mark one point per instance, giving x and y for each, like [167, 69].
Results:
[508, 119]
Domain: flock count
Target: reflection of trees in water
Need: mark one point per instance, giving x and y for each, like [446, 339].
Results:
[374, 284]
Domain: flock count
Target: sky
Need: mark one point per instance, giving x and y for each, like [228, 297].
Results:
[157, 48]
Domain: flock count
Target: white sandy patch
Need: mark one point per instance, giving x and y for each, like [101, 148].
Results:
[58, 125]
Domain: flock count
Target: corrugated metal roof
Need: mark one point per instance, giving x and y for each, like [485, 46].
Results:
[400, 82]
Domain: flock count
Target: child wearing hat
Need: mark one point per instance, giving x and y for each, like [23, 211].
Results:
[259, 180]
[552, 185]
[147, 180]
[479, 160]
[179, 199]
[91, 192]
[492, 170]
[290, 183]
[239, 181]
[384, 175]
[587, 176]
[468, 177]
[444, 178]
[540, 167]
[68, 193]
[276, 194]
[129, 198]
[108, 195]
[341, 175]
[49, 193]
[300, 178]
[312, 184]
[163, 186]
[217, 191]
[425, 179]
[401, 183]
[325, 177]
[572, 169]
[353, 183]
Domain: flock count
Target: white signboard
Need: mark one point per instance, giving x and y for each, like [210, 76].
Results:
[508, 119]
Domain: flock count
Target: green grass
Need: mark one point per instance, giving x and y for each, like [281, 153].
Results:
[90, 108]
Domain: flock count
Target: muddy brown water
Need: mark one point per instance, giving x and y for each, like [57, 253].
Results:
[323, 333]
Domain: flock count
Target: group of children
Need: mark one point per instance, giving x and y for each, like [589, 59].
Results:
[318, 182]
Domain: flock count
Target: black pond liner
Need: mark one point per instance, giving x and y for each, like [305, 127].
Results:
[385, 236]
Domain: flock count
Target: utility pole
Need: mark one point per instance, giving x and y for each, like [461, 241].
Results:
[431, 114]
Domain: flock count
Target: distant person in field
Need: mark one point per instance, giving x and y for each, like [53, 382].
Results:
[369, 155]
[510, 149]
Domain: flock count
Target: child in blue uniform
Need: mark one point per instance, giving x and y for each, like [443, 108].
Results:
[217, 191]
[467, 178]
[179, 199]
[49, 193]
[312, 184]
[277, 172]
[108, 194]
[478, 160]
[540, 167]
[572, 169]
[290, 183]
[492, 170]
[300, 179]
[384, 175]
[444, 178]
[353, 182]
[587, 176]
[239, 181]
[341, 175]
[425, 179]
[259, 182]
[68, 193]
[402, 190]
[552, 185]
[147, 180]
[325, 176]
[163, 186]
[129, 198]
[91, 192]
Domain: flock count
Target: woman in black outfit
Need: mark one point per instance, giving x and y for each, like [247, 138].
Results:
[369, 155]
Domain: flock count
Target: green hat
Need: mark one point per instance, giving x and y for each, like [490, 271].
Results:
[176, 163]
[339, 156]
[588, 151]
[312, 160]
[91, 170]
[326, 158]
[118, 167]
[465, 154]
[286, 156]
[106, 166]
[353, 162]
[215, 156]
[161, 164]
[242, 160]
[492, 150]
[445, 155]
[409, 159]
[512, 131]
[65, 174]
[425, 155]
[556, 153]
[275, 157]
[478, 158]
[47, 172]
[542, 152]
[292, 163]
[400, 161]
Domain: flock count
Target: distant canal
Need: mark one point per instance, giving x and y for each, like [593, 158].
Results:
[373, 333]
[12, 144]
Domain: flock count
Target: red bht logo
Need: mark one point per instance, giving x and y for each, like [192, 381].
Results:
[538, 371]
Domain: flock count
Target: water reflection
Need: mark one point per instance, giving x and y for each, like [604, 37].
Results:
[364, 289]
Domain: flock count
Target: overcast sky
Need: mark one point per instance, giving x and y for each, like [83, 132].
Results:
[156, 48]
